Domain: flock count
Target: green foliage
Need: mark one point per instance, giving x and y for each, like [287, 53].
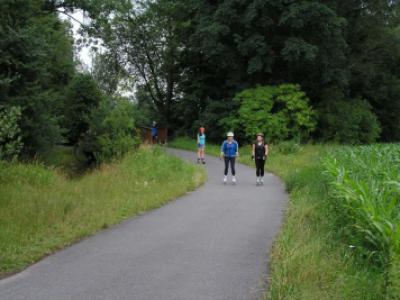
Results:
[349, 122]
[142, 37]
[310, 260]
[83, 96]
[109, 74]
[365, 195]
[233, 45]
[102, 127]
[287, 147]
[111, 131]
[10, 138]
[36, 63]
[280, 112]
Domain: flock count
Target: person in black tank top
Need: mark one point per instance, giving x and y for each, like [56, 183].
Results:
[259, 154]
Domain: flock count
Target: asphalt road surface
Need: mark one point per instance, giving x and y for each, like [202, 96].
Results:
[212, 243]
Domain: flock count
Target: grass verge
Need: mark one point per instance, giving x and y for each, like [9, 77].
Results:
[311, 259]
[42, 211]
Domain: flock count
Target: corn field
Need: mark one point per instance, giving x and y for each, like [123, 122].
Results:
[364, 186]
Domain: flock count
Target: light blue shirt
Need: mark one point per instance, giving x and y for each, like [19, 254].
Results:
[202, 139]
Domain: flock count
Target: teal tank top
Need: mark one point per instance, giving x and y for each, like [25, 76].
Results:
[202, 139]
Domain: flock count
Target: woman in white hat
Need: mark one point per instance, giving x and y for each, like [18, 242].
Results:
[229, 151]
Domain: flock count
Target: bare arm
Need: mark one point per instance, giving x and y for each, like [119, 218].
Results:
[266, 150]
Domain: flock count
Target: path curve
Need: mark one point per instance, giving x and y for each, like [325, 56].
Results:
[212, 243]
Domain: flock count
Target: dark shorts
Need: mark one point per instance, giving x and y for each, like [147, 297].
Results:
[200, 146]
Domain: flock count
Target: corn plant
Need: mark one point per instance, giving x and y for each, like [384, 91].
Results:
[364, 183]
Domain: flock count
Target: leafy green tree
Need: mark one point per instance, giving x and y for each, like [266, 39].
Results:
[233, 45]
[10, 133]
[36, 63]
[373, 39]
[349, 122]
[193, 56]
[142, 36]
[111, 131]
[82, 97]
[108, 73]
[280, 112]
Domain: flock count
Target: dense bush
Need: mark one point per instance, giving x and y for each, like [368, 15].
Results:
[111, 131]
[281, 112]
[10, 133]
[83, 96]
[287, 147]
[349, 122]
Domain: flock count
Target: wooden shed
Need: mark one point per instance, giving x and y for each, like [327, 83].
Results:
[162, 135]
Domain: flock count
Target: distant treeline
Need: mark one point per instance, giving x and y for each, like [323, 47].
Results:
[187, 59]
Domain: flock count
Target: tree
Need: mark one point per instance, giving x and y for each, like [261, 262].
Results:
[233, 45]
[10, 139]
[36, 64]
[349, 122]
[108, 73]
[82, 97]
[142, 38]
[193, 56]
[373, 37]
[111, 131]
[280, 112]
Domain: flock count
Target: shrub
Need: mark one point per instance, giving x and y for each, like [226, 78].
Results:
[348, 122]
[10, 138]
[281, 112]
[287, 147]
[83, 96]
[111, 131]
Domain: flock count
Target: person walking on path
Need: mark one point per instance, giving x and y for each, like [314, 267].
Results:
[154, 132]
[201, 144]
[229, 151]
[259, 154]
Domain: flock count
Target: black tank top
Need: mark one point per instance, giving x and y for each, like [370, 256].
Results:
[259, 150]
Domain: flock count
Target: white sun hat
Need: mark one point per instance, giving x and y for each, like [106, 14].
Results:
[230, 133]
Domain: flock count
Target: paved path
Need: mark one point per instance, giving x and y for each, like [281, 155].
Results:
[212, 243]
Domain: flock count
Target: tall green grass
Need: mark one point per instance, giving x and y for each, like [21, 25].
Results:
[364, 184]
[41, 210]
[310, 259]
[66, 160]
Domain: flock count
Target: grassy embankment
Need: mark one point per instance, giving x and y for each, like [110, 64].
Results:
[41, 210]
[319, 255]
